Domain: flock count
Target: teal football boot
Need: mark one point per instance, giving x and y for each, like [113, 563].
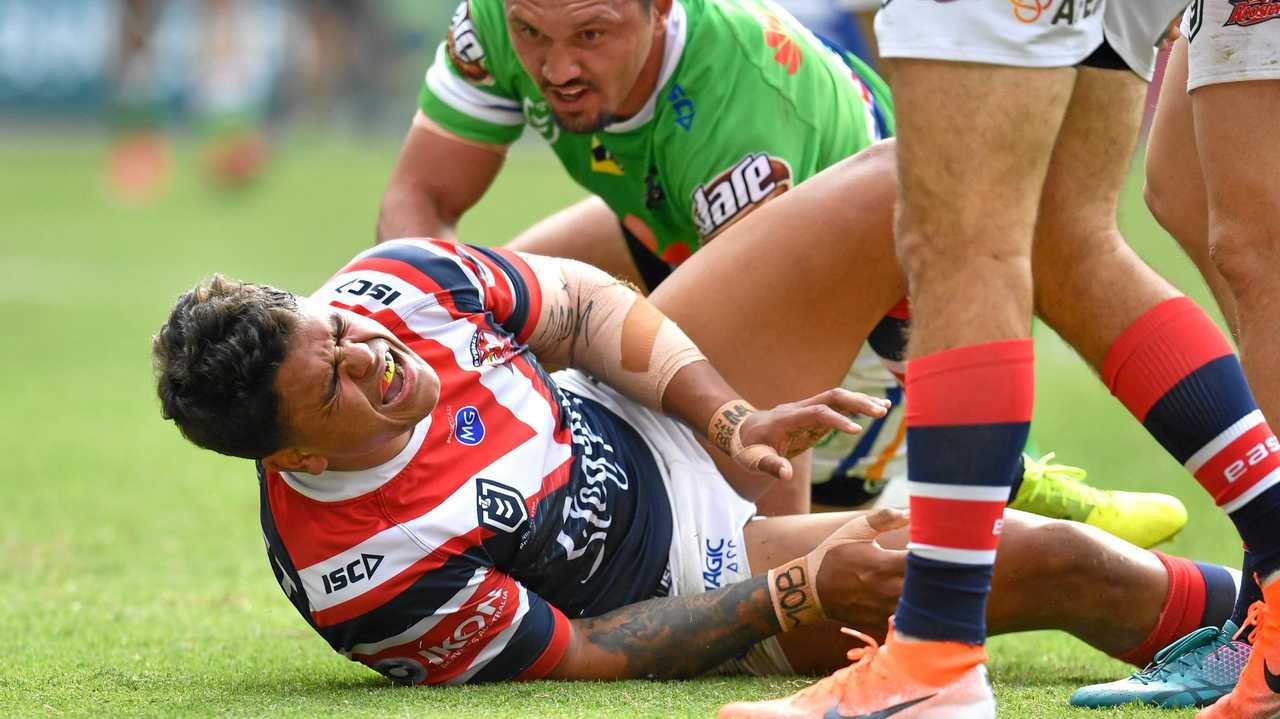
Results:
[1194, 671]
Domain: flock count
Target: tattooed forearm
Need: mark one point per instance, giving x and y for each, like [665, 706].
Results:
[677, 637]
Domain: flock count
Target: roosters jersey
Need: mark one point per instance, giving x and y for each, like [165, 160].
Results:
[515, 505]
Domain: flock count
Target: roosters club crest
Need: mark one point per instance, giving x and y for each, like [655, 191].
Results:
[489, 348]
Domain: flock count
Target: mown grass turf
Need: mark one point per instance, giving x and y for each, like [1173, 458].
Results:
[134, 581]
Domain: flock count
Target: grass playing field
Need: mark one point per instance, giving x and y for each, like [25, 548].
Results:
[134, 581]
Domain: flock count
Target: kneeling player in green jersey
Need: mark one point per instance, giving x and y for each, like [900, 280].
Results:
[681, 117]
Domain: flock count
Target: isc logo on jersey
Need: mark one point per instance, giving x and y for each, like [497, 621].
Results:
[738, 190]
[463, 46]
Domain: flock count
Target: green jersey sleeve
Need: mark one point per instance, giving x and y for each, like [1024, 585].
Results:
[468, 89]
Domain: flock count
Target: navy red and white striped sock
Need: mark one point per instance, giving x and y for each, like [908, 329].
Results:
[1175, 371]
[967, 422]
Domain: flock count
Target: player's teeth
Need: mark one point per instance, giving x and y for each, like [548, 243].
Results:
[390, 372]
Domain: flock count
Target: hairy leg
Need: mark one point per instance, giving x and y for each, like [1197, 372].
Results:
[1090, 285]
[1049, 574]
[782, 301]
[587, 231]
[1175, 184]
[1242, 178]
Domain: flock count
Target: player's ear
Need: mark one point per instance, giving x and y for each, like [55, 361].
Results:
[292, 459]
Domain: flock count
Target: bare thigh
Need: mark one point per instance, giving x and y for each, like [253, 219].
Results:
[970, 178]
[587, 231]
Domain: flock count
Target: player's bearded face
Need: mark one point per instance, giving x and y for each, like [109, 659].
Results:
[351, 392]
[591, 58]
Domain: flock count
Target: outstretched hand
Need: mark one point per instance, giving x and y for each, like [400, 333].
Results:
[771, 437]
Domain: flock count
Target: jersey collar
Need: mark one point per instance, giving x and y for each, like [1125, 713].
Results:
[677, 32]
[336, 486]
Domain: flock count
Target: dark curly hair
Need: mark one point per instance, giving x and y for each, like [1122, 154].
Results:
[216, 361]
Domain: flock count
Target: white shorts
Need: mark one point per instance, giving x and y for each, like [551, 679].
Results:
[1232, 42]
[708, 550]
[1025, 33]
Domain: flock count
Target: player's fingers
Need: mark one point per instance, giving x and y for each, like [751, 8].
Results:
[886, 519]
[775, 465]
[822, 416]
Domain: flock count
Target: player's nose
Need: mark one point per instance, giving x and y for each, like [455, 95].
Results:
[360, 359]
[559, 65]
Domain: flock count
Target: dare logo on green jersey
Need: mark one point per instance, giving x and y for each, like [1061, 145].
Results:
[752, 181]
[463, 46]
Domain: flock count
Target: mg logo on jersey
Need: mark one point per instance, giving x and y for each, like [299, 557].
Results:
[365, 288]
[357, 570]
[467, 426]
[499, 507]
[468, 630]
[463, 47]
[738, 190]
[1254, 456]
[489, 348]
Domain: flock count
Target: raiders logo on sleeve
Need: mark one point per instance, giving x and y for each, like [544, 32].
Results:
[463, 46]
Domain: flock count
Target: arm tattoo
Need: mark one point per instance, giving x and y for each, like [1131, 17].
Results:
[680, 637]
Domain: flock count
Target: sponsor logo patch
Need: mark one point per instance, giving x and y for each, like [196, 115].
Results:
[752, 181]
[489, 348]
[499, 507]
[353, 572]
[468, 428]
[365, 288]
[718, 557]
[681, 105]
[1251, 12]
[463, 47]
[786, 52]
[1029, 11]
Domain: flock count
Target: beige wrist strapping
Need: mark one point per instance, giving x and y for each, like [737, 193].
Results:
[794, 590]
[725, 432]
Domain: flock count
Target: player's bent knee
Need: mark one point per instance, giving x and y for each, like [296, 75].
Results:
[1245, 254]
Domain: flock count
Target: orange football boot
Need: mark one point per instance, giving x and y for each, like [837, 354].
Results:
[1257, 693]
[901, 680]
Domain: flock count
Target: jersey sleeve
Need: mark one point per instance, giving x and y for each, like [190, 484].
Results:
[404, 277]
[492, 628]
[461, 91]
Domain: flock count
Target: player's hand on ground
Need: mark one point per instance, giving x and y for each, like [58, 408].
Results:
[858, 579]
[793, 427]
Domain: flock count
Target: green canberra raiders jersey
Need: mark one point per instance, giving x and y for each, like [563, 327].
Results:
[748, 103]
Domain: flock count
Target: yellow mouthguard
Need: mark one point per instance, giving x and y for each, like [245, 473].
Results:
[391, 371]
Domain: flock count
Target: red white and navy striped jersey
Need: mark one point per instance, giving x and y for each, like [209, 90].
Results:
[515, 506]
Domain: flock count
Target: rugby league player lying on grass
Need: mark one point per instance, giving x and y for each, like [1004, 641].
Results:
[440, 508]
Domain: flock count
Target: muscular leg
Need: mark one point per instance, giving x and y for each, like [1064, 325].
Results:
[1242, 178]
[777, 339]
[586, 231]
[1090, 285]
[969, 187]
[1175, 185]
[1050, 574]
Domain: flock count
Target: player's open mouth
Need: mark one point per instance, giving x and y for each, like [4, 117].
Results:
[392, 381]
[570, 96]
